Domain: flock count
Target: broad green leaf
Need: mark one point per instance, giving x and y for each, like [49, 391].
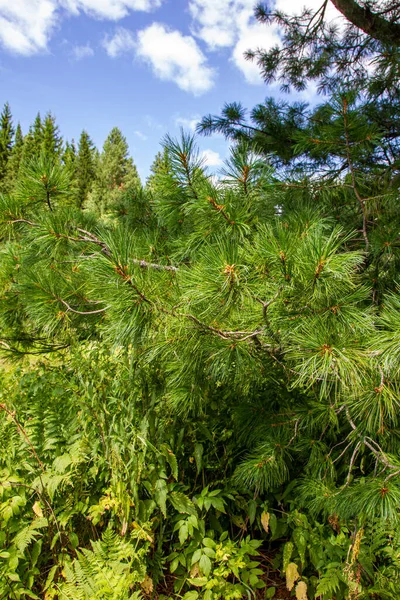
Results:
[192, 595]
[301, 544]
[198, 455]
[252, 509]
[205, 565]
[50, 576]
[160, 495]
[196, 556]
[171, 459]
[273, 523]
[287, 554]
[198, 581]
[183, 533]
[218, 504]
[182, 503]
[174, 565]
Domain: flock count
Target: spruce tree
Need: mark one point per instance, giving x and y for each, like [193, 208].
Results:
[85, 168]
[161, 165]
[115, 173]
[6, 140]
[37, 132]
[33, 141]
[51, 142]
[69, 157]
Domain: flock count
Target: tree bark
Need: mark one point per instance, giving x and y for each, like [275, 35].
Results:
[371, 23]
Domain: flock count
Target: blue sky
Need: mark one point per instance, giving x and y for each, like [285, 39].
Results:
[146, 66]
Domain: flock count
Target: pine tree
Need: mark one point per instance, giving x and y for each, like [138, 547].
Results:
[85, 168]
[245, 345]
[115, 174]
[69, 155]
[159, 167]
[221, 366]
[51, 143]
[336, 59]
[6, 140]
[33, 141]
[312, 45]
[69, 160]
[37, 132]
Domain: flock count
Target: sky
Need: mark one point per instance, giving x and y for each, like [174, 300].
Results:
[148, 67]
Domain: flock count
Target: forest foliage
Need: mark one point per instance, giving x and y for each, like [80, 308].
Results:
[200, 380]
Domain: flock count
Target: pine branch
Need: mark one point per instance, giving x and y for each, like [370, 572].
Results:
[90, 237]
[220, 209]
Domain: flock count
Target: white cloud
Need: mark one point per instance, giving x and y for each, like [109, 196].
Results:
[294, 7]
[26, 26]
[80, 52]
[122, 41]
[231, 24]
[152, 123]
[141, 135]
[211, 158]
[254, 36]
[175, 57]
[108, 9]
[187, 123]
[218, 22]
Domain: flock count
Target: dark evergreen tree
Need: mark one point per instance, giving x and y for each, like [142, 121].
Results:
[6, 140]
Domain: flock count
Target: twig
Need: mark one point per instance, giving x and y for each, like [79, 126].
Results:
[23, 221]
[80, 312]
[24, 434]
[352, 461]
[146, 265]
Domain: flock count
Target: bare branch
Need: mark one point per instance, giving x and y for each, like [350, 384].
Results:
[386, 32]
[80, 312]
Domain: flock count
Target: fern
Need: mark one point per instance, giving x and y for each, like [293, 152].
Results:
[111, 569]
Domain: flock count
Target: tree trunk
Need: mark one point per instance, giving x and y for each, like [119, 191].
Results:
[371, 23]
